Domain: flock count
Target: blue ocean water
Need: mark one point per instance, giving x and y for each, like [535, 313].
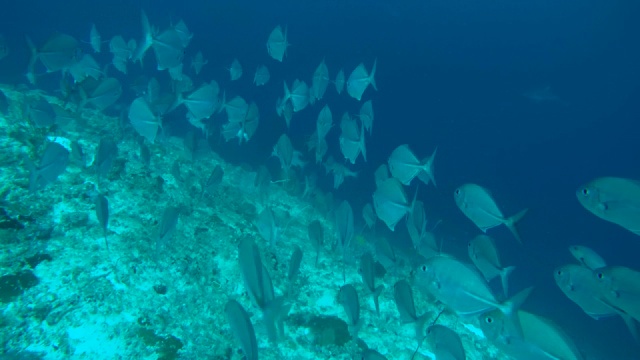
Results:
[456, 75]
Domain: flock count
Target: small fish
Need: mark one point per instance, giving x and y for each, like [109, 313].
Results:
[339, 82]
[367, 271]
[405, 166]
[299, 95]
[284, 151]
[198, 62]
[106, 152]
[169, 49]
[620, 288]
[143, 120]
[366, 116]
[202, 102]
[183, 32]
[102, 212]
[477, 204]
[403, 297]
[294, 264]
[235, 71]
[320, 81]
[348, 298]
[352, 140]
[121, 53]
[360, 79]
[613, 199]
[483, 252]
[262, 76]
[580, 285]
[277, 43]
[94, 39]
[86, 67]
[41, 113]
[242, 329]
[587, 257]
[417, 224]
[391, 202]
[104, 95]
[445, 343]
[213, 181]
[539, 337]
[315, 233]
[60, 52]
[324, 122]
[167, 226]
[52, 164]
[267, 227]
[344, 224]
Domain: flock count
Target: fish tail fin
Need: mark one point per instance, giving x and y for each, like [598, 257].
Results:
[511, 306]
[511, 224]
[428, 174]
[147, 39]
[504, 279]
[372, 79]
[376, 294]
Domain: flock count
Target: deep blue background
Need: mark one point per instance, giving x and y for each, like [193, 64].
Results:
[451, 74]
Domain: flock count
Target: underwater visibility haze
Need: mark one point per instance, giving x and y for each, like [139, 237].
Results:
[242, 179]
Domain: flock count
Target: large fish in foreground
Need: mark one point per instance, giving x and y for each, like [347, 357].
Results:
[463, 289]
[613, 199]
[479, 206]
[540, 338]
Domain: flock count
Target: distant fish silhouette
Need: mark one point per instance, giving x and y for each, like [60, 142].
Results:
[542, 95]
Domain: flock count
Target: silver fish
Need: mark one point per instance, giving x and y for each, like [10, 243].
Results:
[143, 120]
[94, 39]
[352, 140]
[445, 343]
[587, 257]
[261, 76]
[539, 337]
[613, 199]
[198, 62]
[462, 288]
[391, 202]
[235, 71]
[580, 285]
[320, 81]
[360, 79]
[483, 252]
[477, 204]
[405, 166]
[339, 82]
[277, 43]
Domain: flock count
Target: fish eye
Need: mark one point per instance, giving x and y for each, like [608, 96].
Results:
[457, 192]
[424, 267]
[600, 275]
[585, 191]
[559, 272]
[488, 320]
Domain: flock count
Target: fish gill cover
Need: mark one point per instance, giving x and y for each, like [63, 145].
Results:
[189, 172]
